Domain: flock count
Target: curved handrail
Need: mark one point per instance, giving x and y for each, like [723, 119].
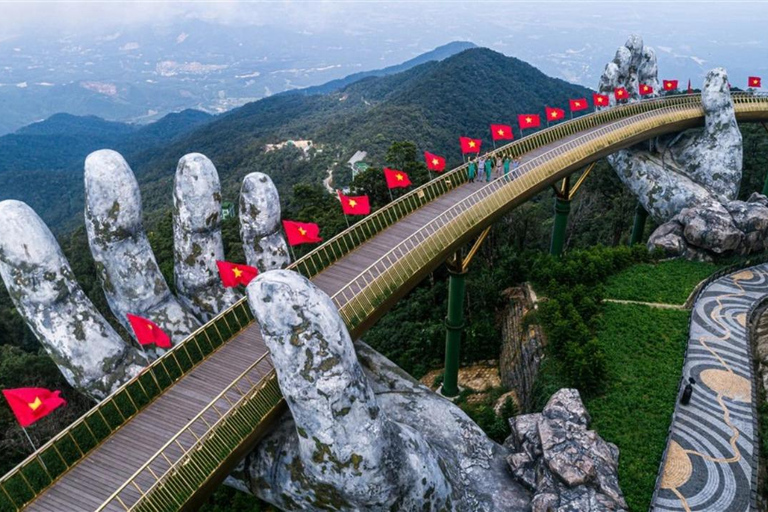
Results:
[346, 241]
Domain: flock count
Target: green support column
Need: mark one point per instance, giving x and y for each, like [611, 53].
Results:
[562, 208]
[454, 326]
[638, 228]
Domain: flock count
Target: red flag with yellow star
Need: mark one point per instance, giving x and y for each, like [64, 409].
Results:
[670, 85]
[469, 145]
[301, 232]
[31, 404]
[620, 93]
[755, 81]
[501, 132]
[578, 104]
[529, 121]
[147, 332]
[434, 162]
[396, 179]
[355, 205]
[234, 274]
[600, 100]
[645, 90]
[554, 114]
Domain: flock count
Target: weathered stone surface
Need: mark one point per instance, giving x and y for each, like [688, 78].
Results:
[668, 238]
[363, 437]
[522, 348]
[88, 351]
[697, 170]
[263, 242]
[576, 469]
[197, 238]
[129, 274]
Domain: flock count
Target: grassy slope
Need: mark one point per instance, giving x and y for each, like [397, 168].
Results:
[668, 282]
[644, 350]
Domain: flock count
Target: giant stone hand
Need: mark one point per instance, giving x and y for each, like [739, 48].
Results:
[360, 434]
[688, 182]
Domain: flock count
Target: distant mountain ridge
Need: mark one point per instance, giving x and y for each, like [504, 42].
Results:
[438, 54]
[430, 104]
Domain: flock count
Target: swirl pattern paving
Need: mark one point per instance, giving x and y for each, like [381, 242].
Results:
[711, 457]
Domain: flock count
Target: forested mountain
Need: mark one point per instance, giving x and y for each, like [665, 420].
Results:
[41, 160]
[430, 105]
[438, 54]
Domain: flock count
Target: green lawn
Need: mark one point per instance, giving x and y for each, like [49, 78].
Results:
[668, 282]
[644, 348]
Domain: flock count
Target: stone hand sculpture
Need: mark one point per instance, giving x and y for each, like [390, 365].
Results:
[360, 434]
[88, 351]
[362, 437]
[688, 182]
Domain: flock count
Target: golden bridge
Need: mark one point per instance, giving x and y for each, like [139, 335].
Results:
[168, 437]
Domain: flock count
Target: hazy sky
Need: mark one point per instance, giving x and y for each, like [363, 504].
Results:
[731, 34]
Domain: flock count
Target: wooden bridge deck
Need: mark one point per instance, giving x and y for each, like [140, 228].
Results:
[93, 480]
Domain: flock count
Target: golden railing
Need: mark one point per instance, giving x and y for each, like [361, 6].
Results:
[188, 460]
[38, 471]
[360, 298]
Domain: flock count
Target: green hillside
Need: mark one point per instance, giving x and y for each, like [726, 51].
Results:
[430, 105]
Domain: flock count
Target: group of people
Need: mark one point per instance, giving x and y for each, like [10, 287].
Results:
[485, 164]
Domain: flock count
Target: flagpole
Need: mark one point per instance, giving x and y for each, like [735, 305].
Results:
[34, 449]
[149, 365]
[346, 220]
[293, 256]
[390, 194]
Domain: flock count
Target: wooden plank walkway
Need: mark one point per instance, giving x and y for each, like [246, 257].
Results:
[92, 481]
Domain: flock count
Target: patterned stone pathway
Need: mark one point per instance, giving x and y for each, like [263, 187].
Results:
[710, 462]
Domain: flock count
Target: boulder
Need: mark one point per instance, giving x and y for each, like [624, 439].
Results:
[575, 469]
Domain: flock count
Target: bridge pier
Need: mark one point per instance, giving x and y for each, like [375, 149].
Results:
[563, 196]
[638, 228]
[454, 327]
[562, 208]
[458, 266]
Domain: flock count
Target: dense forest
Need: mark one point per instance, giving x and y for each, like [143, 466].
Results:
[423, 108]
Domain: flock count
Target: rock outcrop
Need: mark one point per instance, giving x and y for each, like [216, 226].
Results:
[129, 274]
[565, 465]
[197, 241]
[687, 182]
[374, 440]
[522, 348]
[263, 242]
[90, 354]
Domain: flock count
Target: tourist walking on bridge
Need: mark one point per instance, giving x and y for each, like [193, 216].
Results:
[516, 163]
[472, 170]
[499, 165]
[480, 166]
[507, 161]
[488, 168]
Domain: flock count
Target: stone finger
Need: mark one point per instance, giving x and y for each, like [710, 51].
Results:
[263, 242]
[345, 442]
[129, 273]
[88, 351]
[197, 238]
